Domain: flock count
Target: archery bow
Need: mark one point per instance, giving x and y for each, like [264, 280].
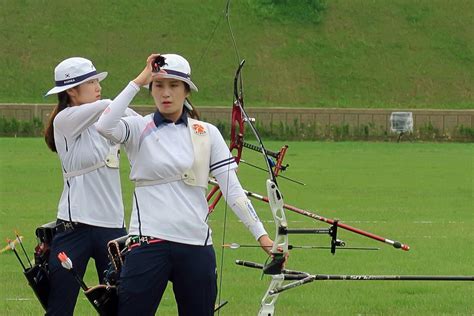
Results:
[275, 200]
[279, 249]
[239, 118]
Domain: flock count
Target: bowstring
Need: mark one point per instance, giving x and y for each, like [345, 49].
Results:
[227, 17]
[244, 114]
[211, 38]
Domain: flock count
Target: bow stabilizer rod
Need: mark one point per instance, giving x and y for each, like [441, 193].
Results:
[304, 277]
[290, 247]
[395, 244]
[337, 277]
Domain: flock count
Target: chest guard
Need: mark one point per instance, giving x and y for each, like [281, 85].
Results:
[198, 174]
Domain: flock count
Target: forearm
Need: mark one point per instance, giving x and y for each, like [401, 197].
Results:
[239, 202]
[74, 120]
[109, 122]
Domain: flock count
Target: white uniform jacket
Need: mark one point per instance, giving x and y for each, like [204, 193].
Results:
[92, 197]
[157, 150]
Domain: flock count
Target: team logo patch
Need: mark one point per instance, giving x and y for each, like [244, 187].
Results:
[199, 129]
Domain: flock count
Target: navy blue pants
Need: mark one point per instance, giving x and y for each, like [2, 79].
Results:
[80, 245]
[149, 267]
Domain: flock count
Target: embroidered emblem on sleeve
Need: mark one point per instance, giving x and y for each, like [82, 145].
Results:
[199, 129]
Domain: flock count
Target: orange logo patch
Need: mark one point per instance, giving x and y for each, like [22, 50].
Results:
[199, 129]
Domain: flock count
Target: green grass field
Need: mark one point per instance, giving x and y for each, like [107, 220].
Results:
[378, 54]
[419, 193]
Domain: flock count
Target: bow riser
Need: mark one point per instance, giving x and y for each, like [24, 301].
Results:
[280, 242]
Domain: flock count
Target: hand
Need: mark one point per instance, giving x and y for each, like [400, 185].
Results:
[266, 243]
[144, 78]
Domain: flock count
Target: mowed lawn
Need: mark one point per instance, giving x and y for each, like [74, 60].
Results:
[421, 194]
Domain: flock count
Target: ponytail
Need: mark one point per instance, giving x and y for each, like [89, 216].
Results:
[63, 102]
[192, 111]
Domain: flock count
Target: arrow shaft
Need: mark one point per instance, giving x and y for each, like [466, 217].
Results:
[24, 251]
[18, 257]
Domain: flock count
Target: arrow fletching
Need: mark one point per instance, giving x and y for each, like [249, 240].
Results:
[231, 246]
[11, 244]
[65, 261]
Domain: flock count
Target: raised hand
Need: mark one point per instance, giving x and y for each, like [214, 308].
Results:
[144, 78]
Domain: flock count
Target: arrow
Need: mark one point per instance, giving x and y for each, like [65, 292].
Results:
[19, 240]
[67, 264]
[11, 244]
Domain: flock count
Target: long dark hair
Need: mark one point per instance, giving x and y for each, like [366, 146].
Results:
[194, 113]
[63, 102]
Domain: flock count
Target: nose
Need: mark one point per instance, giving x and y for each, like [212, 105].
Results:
[165, 92]
[98, 87]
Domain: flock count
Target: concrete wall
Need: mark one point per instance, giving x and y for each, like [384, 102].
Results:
[445, 121]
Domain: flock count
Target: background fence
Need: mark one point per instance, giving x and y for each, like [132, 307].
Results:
[310, 123]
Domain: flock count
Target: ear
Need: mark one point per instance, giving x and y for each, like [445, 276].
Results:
[72, 92]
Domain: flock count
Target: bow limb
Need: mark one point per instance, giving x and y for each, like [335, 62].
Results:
[236, 141]
[267, 305]
[237, 131]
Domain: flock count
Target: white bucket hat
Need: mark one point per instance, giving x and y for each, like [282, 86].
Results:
[72, 72]
[176, 67]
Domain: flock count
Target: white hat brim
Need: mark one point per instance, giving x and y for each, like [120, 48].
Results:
[101, 76]
[169, 76]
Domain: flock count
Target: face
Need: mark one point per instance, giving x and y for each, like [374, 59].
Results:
[169, 95]
[86, 92]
